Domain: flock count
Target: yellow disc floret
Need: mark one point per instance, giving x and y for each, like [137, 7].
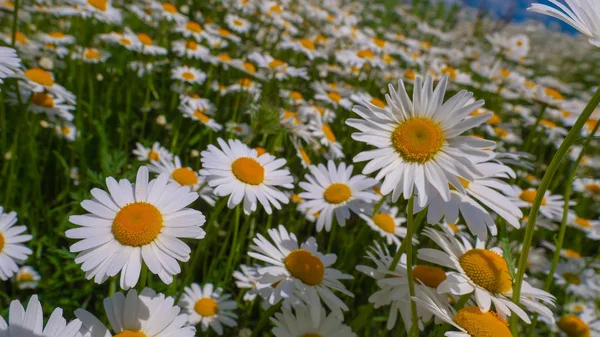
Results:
[429, 275]
[481, 324]
[337, 193]
[487, 269]
[305, 266]
[385, 222]
[137, 224]
[418, 140]
[573, 326]
[248, 170]
[206, 307]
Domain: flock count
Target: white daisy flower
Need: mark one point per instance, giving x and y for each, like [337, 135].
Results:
[146, 45]
[299, 272]
[56, 38]
[586, 323]
[168, 11]
[9, 62]
[12, 249]
[222, 33]
[27, 278]
[485, 273]
[134, 224]
[323, 132]
[30, 322]
[191, 29]
[277, 68]
[484, 192]
[332, 96]
[156, 153]
[235, 170]
[101, 10]
[183, 176]
[419, 147]
[588, 186]
[90, 55]
[148, 314]
[246, 278]
[469, 320]
[188, 75]
[238, 129]
[579, 14]
[332, 190]
[39, 80]
[551, 207]
[299, 322]
[200, 115]
[193, 50]
[387, 223]
[238, 24]
[209, 307]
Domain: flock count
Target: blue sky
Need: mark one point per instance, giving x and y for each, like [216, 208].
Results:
[501, 7]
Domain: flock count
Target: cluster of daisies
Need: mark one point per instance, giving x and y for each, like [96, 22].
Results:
[266, 107]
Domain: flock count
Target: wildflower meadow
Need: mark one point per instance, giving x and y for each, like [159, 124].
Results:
[298, 168]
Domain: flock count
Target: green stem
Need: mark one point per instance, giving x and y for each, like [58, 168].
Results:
[409, 265]
[143, 278]
[563, 226]
[14, 23]
[533, 130]
[571, 137]
[112, 286]
[265, 318]
[402, 248]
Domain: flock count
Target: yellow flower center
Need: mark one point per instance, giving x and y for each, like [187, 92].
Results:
[43, 100]
[464, 182]
[500, 132]
[328, 133]
[591, 123]
[19, 37]
[40, 76]
[594, 188]
[98, 4]
[570, 253]
[276, 64]
[201, 116]
[25, 277]
[191, 45]
[385, 222]
[130, 333]
[153, 155]
[583, 222]
[409, 74]
[365, 54]
[481, 324]
[276, 9]
[504, 72]
[137, 224]
[530, 84]
[418, 140]
[224, 57]
[308, 44]
[379, 42]
[454, 227]
[548, 124]
[2, 242]
[260, 150]
[57, 35]
[188, 75]
[334, 96]
[487, 269]
[554, 94]
[125, 42]
[296, 95]
[573, 326]
[169, 8]
[337, 193]
[529, 196]
[451, 72]
[248, 170]
[249, 67]
[65, 130]
[494, 120]
[145, 39]
[305, 266]
[91, 54]
[185, 176]
[304, 156]
[206, 307]
[429, 275]
[8, 4]
[378, 103]
[193, 27]
[245, 82]
[224, 32]
[238, 23]
[572, 278]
